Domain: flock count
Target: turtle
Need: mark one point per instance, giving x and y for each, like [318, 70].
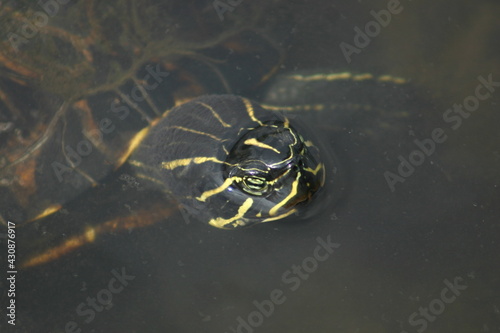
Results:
[180, 123]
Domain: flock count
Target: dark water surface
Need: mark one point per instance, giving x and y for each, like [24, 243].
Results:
[421, 258]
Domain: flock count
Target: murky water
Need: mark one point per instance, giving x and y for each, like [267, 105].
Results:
[420, 255]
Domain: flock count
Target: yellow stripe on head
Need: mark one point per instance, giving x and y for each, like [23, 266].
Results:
[217, 190]
[315, 171]
[254, 142]
[186, 161]
[293, 192]
[250, 111]
[182, 128]
[279, 217]
[222, 223]
[215, 114]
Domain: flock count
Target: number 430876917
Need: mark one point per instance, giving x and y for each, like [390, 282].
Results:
[11, 245]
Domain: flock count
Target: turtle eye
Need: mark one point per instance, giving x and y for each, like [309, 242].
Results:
[254, 185]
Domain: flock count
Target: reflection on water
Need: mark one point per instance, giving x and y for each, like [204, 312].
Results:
[421, 258]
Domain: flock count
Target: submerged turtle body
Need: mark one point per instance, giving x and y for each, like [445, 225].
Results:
[227, 160]
[230, 161]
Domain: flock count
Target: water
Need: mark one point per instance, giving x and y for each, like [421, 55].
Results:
[432, 243]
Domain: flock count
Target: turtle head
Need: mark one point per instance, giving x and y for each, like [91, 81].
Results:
[276, 169]
[232, 163]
